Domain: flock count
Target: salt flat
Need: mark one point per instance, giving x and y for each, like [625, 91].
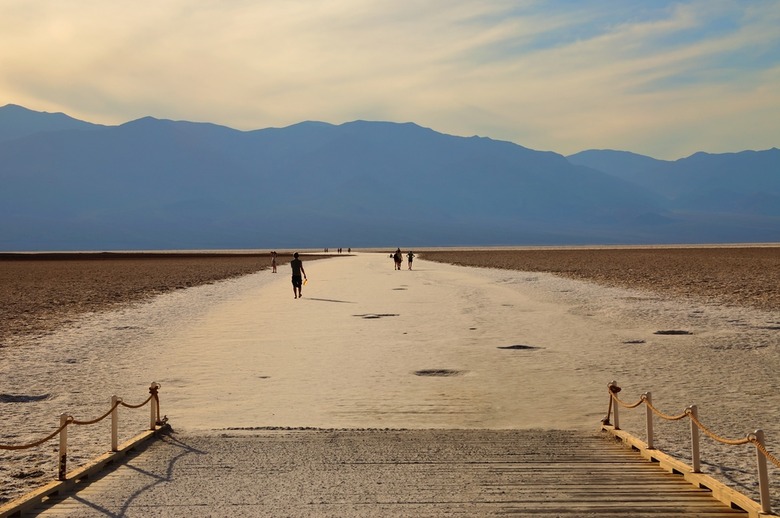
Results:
[436, 347]
[368, 346]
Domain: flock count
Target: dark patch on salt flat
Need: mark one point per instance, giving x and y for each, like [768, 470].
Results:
[519, 347]
[399, 289]
[438, 372]
[629, 342]
[673, 332]
[376, 315]
[22, 398]
[769, 328]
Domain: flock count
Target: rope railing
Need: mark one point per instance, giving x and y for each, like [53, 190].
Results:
[97, 419]
[66, 420]
[755, 438]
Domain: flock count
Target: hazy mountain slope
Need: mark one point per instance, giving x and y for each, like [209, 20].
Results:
[746, 182]
[741, 183]
[625, 165]
[155, 183]
[17, 122]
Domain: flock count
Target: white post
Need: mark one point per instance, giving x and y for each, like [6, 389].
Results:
[114, 423]
[763, 476]
[695, 458]
[63, 464]
[649, 414]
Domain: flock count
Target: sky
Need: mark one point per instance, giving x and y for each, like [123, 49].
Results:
[659, 78]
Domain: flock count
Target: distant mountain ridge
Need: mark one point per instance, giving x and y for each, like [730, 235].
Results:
[161, 184]
[17, 122]
[744, 183]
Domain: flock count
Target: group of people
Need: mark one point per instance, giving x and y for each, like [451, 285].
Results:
[398, 258]
[299, 273]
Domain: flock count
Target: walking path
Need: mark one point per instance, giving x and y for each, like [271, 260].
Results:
[368, 346]
[390, 473]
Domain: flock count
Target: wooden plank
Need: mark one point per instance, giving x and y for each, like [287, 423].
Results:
[25, 503]
[392, 473]
[719, 490]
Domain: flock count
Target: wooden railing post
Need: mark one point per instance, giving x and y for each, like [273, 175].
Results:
[649, 417]
[155, 406]
[63, 457]
[695, 458]
[763, 456]
[114, 423]
[763, 475]
[613, 390]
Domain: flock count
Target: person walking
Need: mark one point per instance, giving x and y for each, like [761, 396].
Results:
[397, 258]
[410, 258]
[297, 270]
[273, 262]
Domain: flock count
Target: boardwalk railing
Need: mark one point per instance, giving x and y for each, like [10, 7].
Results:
[755, 438]
[67, 420]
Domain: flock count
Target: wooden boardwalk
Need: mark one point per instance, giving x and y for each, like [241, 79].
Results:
[388, 473]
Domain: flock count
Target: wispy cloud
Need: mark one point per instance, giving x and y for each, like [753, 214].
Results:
[662, 78]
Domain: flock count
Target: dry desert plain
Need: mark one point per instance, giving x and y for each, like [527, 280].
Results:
[42, 293]
[740, 276]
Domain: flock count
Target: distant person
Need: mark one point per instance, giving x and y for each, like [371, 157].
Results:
[398, 259]
[273, 262]
[297, 270]
[410, 258]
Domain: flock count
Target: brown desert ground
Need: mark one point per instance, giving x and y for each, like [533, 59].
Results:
[40, 292]
[747, 276]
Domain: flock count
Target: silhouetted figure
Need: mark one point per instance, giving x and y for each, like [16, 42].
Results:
[273, 262]
[398, 259]
[297, 270]
[410, 258]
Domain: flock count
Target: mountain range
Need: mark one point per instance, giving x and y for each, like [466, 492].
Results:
[160, 184]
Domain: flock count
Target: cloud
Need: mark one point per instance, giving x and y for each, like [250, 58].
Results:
[565, 75]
